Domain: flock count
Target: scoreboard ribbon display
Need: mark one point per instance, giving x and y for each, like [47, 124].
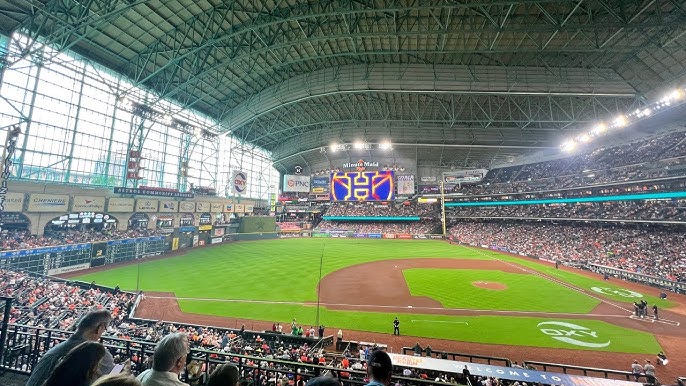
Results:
[362, 186]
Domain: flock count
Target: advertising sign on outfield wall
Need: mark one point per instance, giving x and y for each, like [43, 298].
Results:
[239, 208]
[120, 205]
[48, 203]
[168, 206]
[88, 204]
[202, 206]
[146, 206]
[186, 206]
[217, 207]
[14, 202]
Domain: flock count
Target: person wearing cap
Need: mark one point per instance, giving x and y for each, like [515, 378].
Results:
[379, 368]
[396, 326]
[636, 370]
[649, 371]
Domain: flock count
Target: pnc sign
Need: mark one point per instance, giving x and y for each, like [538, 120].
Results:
[573, 334]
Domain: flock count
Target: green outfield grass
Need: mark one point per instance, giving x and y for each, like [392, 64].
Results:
[454, 289]
[270, 280]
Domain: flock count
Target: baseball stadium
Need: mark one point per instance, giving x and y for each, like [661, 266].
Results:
[482, 193]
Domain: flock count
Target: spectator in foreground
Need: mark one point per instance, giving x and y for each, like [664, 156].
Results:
[80, 367]
[91, 327]
[168, 361]
[224, 375]
[379, 368]
[117, 380]
[323, 381]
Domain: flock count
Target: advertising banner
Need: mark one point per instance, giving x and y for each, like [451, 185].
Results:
[228, 208]
[239, 208]
[406, 185]
[511, 373]
[175, 244]
[219, 231]
[403, 236]
[70, 268]
[249, 208]
[320, 185]
[388, 235]
[202, 206]
[375, 235]
[167, 206]
[463, 176]
[48, 203]
[124, 205]
[186, 206]
[146, 206]
[360, 235]
[159, 192]
[217, 240]
[14, 202]
[88, 204]
[420, 236]
[428, 179]
[216, 207]
[320, 234]
[293, 183]
[239, 182]
[436, 237]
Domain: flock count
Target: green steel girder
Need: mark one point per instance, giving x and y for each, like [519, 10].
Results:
[63, 24]
[541, 118]
[267, 49]
[421, 79]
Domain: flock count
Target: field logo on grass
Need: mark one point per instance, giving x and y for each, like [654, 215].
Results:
[572, 334]
[617, 291]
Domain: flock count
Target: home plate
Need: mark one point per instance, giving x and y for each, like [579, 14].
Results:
[409, 306]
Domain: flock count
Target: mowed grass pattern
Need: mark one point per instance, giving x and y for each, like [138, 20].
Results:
[455, 288]
[271, 280]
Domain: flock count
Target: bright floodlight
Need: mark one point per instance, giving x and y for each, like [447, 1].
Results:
[599, 129]
[358, 145]
[647, 112]
[584, 138]
[385, 146]
[620, 121]
[569, 146]
[334, 147]
[674, 95]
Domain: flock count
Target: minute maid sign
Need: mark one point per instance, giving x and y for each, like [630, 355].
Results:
[48, 203]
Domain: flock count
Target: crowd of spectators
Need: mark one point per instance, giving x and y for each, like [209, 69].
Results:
[657, 157]
[643, 210]
[47, 303]
[647, 249]
[14, 240]
[376, 209]
[410, 227]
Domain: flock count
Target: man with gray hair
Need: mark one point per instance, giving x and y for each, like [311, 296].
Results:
[167, 362]
[90, 328]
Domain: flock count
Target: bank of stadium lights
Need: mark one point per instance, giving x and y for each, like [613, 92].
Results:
[386, 146]
[622, 120]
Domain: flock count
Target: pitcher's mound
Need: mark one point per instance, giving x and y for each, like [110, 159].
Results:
[490, 285]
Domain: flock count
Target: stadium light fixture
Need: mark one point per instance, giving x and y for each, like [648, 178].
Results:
[358, 145]
[599, 129]
[584, 138]
[620, 121]
[385, 146]
[334, 147]
[569, 146]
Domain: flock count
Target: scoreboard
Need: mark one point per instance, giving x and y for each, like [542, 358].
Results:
[363, 186]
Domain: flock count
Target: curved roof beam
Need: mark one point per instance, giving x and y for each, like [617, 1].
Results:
[428, 79]
[221, 31]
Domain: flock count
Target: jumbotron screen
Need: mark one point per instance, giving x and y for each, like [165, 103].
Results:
[362, 186]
